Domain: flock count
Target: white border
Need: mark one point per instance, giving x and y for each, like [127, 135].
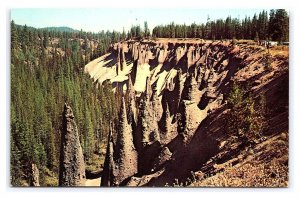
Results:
[6, 191]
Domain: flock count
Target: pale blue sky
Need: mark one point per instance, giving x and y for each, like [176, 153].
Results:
[115, 19]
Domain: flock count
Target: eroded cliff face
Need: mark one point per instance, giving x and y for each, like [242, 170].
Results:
[125, 154]
[176, 114]
[72, 166]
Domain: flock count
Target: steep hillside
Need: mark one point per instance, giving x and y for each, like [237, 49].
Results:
[46, 71]
[199, 113]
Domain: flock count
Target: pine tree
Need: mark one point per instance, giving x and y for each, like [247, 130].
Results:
[89, 143]
[262, 25]
[14, 36]
[146, 29]
[228, 28]
[172, 30]
[271, 26]
[281, 26]
[254, 27]
[24, 39]
[246, 119]
[138, 32]
[45, 39]
[15, 163]
[123, 37]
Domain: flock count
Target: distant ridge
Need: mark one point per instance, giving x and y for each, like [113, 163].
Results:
[55, 29]
[60, 29]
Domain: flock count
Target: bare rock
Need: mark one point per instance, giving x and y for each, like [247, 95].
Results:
[132, 111]
[72, 167]
[162, 55]
[168, 133]
[164, 156]
[126, 156]
[190, 90]
[109, 164]
[190, 56]
[147, 121]
[34, 175]
[141, 181]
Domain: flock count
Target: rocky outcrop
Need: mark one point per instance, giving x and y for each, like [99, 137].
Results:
[164, 156]
[190, 90]
[190, 115]
[72, 166]
[167, 128]
[35, 175]
[109, 164]
[132, 110]
[126, 154]
[162, 54]
[147, 123]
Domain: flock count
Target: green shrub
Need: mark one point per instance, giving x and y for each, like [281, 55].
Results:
[234, 41]
[267, 60]
[246, 119]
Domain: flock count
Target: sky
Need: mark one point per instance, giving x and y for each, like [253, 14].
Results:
[95, 20]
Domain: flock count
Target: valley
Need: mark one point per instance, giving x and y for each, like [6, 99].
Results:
[203, 104]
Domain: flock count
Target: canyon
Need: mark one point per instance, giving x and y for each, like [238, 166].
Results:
[175, 102]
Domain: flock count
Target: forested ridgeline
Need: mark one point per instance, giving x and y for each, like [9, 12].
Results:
[264, 26]
[46, 72]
